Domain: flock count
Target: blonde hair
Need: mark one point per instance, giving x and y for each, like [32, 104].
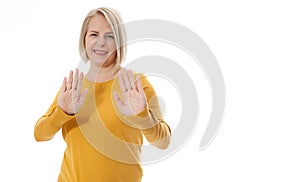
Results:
[114, 19]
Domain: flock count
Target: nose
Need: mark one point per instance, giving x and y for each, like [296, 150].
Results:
[101, 40]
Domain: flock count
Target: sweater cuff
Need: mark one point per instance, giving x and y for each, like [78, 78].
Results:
[58, 118]
[144, 113]
[143, 120]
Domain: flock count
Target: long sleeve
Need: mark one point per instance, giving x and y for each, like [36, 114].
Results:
[160, 134]
[151, 121]
[50, 122]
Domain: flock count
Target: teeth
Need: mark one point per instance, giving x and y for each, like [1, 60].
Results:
[100, 52]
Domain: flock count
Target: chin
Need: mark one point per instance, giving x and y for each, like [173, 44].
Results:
[98, 62]
[101, 63]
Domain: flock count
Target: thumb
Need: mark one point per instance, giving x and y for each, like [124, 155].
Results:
[82, 96]
[117, 98]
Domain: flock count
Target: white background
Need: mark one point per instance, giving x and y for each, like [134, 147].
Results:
[255, 42]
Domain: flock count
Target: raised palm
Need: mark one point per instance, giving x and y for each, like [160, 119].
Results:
[133, 99]
[70, 98]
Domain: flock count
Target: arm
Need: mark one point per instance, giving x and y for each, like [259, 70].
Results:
[158, 133]
[65, 105]
[50, 122]
[139, 108]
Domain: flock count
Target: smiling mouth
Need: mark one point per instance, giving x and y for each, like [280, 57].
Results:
[100, 52]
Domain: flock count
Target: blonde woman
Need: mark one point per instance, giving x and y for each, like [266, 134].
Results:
[105, 113]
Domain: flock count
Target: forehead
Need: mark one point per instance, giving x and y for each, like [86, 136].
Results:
[99, 23]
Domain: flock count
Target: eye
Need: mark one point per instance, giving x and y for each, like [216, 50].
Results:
[93, 35]
[109, 36]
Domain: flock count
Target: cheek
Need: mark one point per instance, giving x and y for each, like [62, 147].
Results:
[112, 47]
[89, 42]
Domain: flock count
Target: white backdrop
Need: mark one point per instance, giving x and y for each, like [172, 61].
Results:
[255, 42]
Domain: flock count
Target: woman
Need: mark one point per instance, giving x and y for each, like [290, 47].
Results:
[104, 113]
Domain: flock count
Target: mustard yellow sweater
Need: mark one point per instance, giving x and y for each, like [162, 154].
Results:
[103, 145]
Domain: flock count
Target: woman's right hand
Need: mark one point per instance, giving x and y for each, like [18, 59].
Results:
[71, 98]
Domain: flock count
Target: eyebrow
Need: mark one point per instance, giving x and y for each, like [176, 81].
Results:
[94, 31]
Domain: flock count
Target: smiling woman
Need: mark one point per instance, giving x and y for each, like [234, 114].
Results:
[105, 113]
[106, 26]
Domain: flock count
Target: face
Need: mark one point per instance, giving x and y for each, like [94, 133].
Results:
[100, 42]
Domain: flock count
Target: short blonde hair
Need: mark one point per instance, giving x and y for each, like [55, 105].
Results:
[115, 21]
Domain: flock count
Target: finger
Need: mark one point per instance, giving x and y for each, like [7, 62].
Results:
[64, 85]
[131, 80]
[80, 80]
[118, 100]
[121, 82]
[139, 83]
[82, 96]
[75, 80]
[70, 80]
[125, 79]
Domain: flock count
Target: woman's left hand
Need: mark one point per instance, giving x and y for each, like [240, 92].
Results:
[133, 99]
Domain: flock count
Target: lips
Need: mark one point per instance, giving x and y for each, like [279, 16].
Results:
[100, 52]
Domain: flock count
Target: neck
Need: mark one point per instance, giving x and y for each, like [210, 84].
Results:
[101, 74]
